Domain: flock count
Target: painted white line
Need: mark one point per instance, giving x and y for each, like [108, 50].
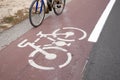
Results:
[100, 24]
[86, 62]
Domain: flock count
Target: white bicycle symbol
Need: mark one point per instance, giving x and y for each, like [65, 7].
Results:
[59, 39]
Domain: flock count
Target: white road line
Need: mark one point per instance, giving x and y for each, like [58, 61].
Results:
[100, 24]
[86, 62]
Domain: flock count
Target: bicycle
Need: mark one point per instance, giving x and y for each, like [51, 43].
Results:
[50, 52]
[39, 8]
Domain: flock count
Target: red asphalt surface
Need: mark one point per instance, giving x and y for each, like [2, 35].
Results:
[82, 14]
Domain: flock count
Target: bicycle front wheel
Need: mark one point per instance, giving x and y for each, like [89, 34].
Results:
[36, 13]
[58, 6]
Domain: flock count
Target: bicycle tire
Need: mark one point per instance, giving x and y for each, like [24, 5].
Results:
[55, 7]
[36, 18]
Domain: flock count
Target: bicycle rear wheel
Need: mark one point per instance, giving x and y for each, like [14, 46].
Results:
[36, 13]
[58, 6]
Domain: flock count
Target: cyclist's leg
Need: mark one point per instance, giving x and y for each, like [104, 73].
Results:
[49, 2]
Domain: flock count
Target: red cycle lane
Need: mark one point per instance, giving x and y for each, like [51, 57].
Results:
[58, 49]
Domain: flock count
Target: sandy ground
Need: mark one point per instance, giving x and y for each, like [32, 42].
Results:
[10, 7]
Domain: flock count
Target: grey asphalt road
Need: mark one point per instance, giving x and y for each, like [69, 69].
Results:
[104, 60]
[7, 36]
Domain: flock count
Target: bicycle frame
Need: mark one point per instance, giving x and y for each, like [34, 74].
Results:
[44, 2]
